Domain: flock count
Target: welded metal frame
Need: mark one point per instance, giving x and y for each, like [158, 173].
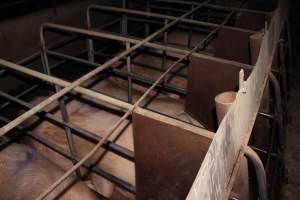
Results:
[69, 87]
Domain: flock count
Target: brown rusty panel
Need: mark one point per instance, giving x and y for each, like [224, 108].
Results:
[232, 45]
[167, 157]
[251, 21]
[206, 79]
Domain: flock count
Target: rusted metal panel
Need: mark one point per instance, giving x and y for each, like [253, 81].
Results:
[168, 156]
[206, 79]
[232, 45]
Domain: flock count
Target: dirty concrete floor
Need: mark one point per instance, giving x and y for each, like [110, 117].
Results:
[291, 190]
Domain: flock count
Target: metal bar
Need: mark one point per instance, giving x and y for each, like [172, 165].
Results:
[164, 56]
[283, 74]
[260, 172]
[278, 106]
[161, 16]
[190, 33]
[127, 114]
[90, 44]
[124, 22]
[62, 108]
[119, 73]
[266, 115]
[112, 36]
[206, 14]
[179, 26]
[119, 182]
[214, 6]
[128, 64]
[148, 9]
[25, 92]
[119, 150]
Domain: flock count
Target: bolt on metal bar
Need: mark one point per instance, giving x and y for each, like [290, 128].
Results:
[125, 116]
[162, 16]
[119, 182]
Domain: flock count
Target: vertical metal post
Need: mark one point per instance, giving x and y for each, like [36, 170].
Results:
[284, 73]
[190, 32]
[260, 172]
[128, 63]
[290, 44]
[278, 107]
[147, 27]
[124, 21]
[62, 106]
[164, 58]
[90, 42]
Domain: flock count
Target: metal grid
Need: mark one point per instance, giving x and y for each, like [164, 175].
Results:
[63, 88]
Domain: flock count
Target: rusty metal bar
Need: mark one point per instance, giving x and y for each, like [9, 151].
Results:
[111, 36]
[260, 172]
[214, 6]
[62, 108]
[128, 64]
[161, 16]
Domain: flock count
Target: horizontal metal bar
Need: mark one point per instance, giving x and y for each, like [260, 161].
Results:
[162, 16]
[116, 72]
[267, 115]
[113, 36]
[209, 5]
[263, 151]
[179, 26]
